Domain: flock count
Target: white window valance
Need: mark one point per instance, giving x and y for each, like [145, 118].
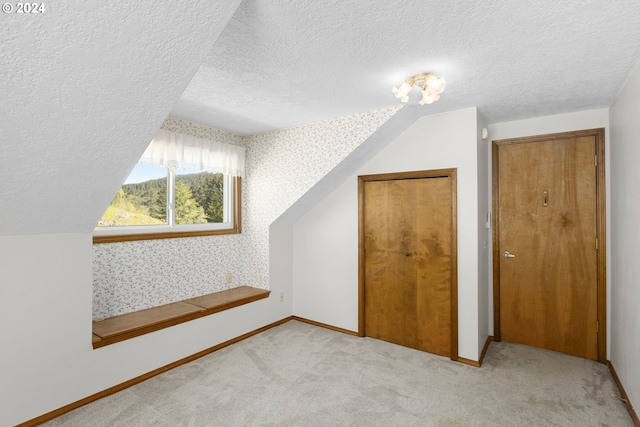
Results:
[185, 152]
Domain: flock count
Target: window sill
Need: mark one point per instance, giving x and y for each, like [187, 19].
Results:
[131, 325]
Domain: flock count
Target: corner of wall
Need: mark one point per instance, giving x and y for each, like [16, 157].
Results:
[624, 244]
[485, 317]
[281, 257]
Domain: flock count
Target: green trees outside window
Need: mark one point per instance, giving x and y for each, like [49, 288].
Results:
[199, 199]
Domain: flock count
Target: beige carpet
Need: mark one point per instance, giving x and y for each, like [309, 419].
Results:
[302, 375]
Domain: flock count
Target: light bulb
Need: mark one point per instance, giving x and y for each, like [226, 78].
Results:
[402, 91]
[439, 84]
[427, 98]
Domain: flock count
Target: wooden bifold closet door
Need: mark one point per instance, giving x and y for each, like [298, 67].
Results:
[408, 251]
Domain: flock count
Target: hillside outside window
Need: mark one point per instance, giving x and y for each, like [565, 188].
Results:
[182, 186]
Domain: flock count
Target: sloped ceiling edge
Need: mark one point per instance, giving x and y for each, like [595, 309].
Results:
[85, 87]
[388, 132]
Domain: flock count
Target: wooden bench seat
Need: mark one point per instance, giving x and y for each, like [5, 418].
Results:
[130, 325]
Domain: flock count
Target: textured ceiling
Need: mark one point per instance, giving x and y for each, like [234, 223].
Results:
[84, 86]
[279, 64]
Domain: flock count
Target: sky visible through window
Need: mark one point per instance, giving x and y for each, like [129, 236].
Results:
[142, 173]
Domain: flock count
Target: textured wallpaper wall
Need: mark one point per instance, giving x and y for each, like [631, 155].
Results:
[131, 276]
[281, 167]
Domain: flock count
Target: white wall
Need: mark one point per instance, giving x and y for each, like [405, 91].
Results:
[625, 236]
[46, 358]
[325, 260]
[483, 235]
[555, 124]
[325, 240]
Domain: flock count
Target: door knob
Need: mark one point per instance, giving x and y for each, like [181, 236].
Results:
[508, 254]
[407, 254]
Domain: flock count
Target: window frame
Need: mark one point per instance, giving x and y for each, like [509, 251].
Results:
[166, 231]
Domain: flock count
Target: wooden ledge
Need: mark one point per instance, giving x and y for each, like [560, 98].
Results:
[130, 325]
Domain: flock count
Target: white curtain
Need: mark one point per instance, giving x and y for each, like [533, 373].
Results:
[178, 151]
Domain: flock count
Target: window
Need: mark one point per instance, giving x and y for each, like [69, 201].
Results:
[164, 197]
[141, 201]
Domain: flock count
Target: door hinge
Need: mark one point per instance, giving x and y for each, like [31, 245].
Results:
[596, 158]
[597, 327]
[596, 243]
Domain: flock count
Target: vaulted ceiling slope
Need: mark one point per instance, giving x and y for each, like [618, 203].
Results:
[280, 64]
[86, 84]
[84, 87]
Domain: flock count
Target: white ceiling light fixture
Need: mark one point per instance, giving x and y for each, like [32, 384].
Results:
[430, 85]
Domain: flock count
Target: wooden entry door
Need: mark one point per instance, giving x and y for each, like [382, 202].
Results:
[549, 242]
[408, 259]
